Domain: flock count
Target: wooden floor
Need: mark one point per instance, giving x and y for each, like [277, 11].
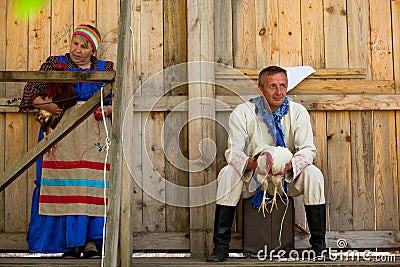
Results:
[186, 261]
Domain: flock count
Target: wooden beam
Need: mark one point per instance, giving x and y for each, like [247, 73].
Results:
[318, 90]
[116, 159]
[308, 86]
[333, 73]
[56, 76]
[313, 86]
[327, 102]
[62, 129]
[173, 241]
[349, 102]
[311, 102]
[355, 239]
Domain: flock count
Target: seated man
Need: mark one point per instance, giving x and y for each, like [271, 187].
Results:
[270, 119]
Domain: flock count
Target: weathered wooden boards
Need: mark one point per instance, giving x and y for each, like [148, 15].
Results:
[352, 98]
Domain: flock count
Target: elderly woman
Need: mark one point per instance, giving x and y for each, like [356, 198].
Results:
[68, 202]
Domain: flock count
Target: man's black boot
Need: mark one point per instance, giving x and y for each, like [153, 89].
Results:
[222, 233]
[316, 218]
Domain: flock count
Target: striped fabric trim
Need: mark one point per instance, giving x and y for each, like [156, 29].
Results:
[73, 182]
[72, 199]
[73, 191]
[88, 35]
[57, 209]
[73, 173]
[91, 30]
[83, 164]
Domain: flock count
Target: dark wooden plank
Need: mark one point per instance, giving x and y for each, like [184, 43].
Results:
[362, 169]
[385, 171]
[250, 262]
[153, 260]
[48, 261]
[340, 208]
[175, 131]
[56, 76]
[180, 241]
[355, 239]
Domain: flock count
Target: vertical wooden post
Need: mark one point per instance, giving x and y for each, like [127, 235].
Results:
[15, 133]
[175, 52]
[385, 168]
[337, 123]
[3, 56]
[153, 157]
[201, 118]
[361, 122]
[113, 213]
[395, 5]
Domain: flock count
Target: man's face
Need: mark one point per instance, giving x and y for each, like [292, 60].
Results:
[274, 89]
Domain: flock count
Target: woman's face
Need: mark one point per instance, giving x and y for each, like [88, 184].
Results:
[80, 51]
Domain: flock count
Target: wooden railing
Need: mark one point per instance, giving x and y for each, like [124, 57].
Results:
[64, 127]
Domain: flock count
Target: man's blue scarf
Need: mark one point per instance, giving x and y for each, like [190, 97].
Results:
[273, 122]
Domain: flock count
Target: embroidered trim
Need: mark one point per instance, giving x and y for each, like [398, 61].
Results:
[299, 163]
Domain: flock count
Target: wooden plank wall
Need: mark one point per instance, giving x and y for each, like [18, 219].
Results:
[353, 101]
[344, 35]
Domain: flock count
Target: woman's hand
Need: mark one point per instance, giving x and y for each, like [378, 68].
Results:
[107, 112]
[47, 104]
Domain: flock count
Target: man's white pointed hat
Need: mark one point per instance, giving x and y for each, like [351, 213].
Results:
[297, 74]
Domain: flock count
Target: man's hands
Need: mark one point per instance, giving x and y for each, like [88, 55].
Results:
[261, 164]
[268, 171]
[251, 164]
